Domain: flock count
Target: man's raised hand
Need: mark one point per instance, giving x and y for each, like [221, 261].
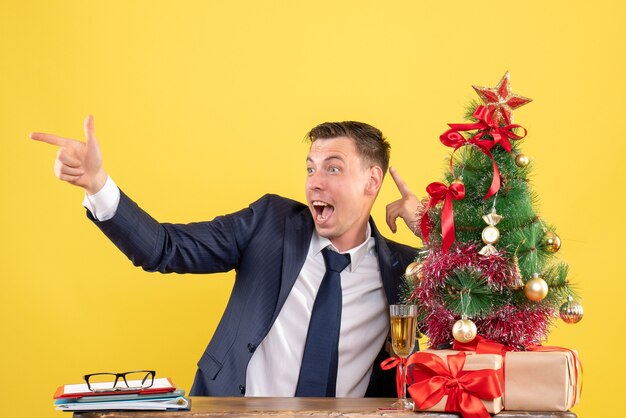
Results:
[407, 207]
[78, 163]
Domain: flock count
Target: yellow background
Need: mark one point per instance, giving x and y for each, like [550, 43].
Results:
[201, 107]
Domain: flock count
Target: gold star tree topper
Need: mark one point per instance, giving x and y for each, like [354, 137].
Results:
[501, 100]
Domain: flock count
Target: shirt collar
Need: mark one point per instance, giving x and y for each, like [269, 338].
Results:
[357, 254]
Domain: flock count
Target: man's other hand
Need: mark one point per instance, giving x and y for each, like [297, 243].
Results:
[78, 163]
[407, 207]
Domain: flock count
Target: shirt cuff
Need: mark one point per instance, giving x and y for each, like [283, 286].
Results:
[103, 204]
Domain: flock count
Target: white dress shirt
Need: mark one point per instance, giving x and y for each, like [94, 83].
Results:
[274, 367]
[103, 204]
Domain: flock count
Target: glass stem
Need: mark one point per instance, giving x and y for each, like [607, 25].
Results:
[402, 380]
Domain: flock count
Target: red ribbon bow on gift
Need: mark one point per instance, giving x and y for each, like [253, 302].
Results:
[482, 345]
[433, 378]
[486, 126]
[438, 192]
[400, 363]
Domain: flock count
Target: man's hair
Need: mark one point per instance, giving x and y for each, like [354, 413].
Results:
[370, 142]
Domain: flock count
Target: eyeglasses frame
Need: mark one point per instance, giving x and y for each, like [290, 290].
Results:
[150, 374]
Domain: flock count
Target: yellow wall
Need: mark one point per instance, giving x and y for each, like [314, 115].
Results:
[200, 107]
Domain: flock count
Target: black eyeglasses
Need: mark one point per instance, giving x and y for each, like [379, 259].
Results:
[107, 382]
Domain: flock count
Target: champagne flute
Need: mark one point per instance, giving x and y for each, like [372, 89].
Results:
[403, 332]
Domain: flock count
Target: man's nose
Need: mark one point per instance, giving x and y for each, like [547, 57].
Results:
[315, 181]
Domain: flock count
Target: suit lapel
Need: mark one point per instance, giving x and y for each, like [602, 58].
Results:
[298, 232]
[389, 266]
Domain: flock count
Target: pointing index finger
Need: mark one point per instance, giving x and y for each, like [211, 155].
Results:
[402, 187]
[49, 138]
[88, 127]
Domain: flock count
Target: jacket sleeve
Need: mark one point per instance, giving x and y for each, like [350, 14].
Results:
[200, 247]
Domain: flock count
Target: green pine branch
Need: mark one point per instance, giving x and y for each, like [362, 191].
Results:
[468, 293]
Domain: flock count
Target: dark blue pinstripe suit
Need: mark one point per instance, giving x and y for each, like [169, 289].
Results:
[267, 244]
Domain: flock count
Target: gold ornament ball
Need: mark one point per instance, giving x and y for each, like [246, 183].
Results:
[571, 312]
[536, 289]
[464, 330]
[551, 241]
[459, 181]
[490, 235]
[414, 271]
[521, 160]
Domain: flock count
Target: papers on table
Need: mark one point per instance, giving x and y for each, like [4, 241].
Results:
[161, 396]
[158, 404]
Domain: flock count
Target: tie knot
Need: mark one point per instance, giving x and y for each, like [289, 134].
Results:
[335, 261]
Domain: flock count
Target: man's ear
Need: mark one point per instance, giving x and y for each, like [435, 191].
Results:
[375, 180]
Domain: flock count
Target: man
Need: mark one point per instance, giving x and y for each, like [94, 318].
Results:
[279, 249]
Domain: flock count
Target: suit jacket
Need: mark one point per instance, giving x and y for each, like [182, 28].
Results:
[266, 244]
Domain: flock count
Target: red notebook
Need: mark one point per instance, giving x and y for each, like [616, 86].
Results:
[161, 385]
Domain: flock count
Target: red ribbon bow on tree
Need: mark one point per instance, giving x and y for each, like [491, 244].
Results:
[486, 125]
[433, 378]
[440, 192]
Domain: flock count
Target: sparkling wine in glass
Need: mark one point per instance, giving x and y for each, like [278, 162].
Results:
[403, 332]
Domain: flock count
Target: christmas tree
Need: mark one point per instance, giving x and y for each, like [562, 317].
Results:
[489, 262]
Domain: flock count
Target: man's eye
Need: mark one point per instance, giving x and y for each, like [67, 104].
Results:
[333, 169]
[309, 170]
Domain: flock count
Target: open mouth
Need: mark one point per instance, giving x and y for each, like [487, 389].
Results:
[323, 210]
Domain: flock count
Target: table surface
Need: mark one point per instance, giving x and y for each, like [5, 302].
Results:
[209, 407]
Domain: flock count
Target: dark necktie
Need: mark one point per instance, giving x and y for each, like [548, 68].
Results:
[318, 372]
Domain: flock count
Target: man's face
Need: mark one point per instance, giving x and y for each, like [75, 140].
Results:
[340, 190]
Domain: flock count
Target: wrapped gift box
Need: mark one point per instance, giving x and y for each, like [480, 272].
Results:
[472, 362]
[541, 380]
